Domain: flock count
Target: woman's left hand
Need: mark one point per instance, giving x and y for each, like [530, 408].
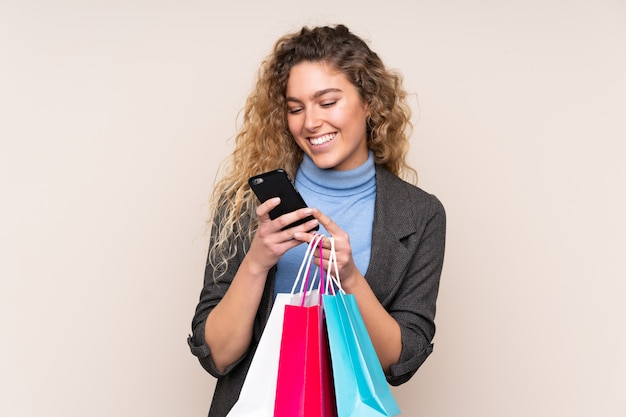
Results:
[343, 250]
[383, 329]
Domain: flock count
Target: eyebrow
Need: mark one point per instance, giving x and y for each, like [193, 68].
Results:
[317, 93]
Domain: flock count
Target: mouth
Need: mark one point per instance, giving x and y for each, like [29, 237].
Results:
[320, 140]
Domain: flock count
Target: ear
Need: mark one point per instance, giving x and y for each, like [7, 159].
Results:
[368, 112]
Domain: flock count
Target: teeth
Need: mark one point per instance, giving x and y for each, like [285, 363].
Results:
[322, 139]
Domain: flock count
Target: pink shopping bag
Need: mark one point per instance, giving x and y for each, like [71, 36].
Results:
[304, 386]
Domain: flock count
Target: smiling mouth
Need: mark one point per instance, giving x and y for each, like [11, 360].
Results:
[322, 139]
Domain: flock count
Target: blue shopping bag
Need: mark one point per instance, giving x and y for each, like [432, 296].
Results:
[361, 388]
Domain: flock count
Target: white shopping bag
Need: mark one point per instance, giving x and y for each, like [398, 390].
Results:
[258, 393]
[259, 389]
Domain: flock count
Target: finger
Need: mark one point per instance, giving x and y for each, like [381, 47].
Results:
[331, 227]
[324, 220]
[263, 210]
[287, 220]
[303, 233]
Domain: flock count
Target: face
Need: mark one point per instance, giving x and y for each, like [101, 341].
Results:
[326, 116]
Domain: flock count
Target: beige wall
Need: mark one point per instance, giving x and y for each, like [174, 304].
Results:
[115, 114]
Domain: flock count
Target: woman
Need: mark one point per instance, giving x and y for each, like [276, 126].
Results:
[327, 110]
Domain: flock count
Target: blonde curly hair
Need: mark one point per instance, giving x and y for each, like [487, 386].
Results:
[264, 142]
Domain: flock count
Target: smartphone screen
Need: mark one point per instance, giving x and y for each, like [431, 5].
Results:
[278, 184]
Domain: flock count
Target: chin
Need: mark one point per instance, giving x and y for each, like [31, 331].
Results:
[323, 164]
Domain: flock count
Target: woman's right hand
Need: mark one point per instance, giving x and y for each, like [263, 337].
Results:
[228, 329]
[271, 242]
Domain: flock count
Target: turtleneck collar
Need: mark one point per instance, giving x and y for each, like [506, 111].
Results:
[337, 183]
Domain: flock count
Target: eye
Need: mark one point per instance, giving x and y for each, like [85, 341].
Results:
[294, 110]
[328, 103]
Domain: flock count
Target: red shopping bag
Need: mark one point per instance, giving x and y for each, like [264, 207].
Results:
[304, 386]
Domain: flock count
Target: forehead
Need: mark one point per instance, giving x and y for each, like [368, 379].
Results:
[309, 77]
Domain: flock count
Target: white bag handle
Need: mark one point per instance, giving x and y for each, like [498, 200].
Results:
[306, 261]
[332, 262]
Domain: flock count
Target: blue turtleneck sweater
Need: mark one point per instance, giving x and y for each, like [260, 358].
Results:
[348, 198]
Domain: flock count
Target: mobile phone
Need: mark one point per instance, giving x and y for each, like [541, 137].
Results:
[278, 184]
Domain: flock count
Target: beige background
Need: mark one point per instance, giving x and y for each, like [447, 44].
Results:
[115, 114]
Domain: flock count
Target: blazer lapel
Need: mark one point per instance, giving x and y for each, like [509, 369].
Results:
[392, 226]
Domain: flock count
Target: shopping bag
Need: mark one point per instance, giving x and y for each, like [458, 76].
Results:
[361, 387]
[258, 393]
[304, 384]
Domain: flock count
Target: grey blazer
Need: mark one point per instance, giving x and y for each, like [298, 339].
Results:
[408, 241]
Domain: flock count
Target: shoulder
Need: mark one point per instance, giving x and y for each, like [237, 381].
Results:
[398, 196]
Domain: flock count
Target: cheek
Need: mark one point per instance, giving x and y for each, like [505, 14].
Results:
[346, 116]
[360, 119]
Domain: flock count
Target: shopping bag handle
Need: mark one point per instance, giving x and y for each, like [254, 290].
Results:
[307, 284]
[330, 278]
[306, 261]
[317, 244]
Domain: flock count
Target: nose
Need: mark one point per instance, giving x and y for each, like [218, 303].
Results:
[312, 120]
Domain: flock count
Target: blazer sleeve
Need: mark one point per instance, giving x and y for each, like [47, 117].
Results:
[414, 306]
[212, 292]
[411, 241]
